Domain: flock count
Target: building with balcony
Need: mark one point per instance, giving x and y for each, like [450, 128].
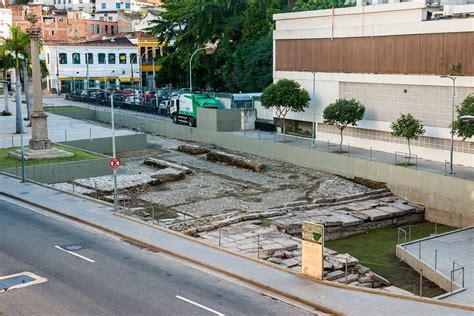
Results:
[102, 63]
[390, 57]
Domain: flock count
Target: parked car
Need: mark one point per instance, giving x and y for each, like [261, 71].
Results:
[133, 99]
[73, 96]
[164, 107]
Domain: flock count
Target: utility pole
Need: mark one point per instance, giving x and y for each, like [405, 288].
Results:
[453, 97]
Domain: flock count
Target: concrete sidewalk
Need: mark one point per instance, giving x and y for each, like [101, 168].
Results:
[321, 295]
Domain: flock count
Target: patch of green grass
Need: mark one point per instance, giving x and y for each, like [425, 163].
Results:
[10, 162]
[63, 108]
[376, 250]
[266, 222]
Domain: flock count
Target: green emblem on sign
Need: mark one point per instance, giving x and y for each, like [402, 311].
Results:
[312, 232]
[317, 237]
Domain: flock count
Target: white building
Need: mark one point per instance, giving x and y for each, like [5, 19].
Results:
[109, 63]
[5, 22]
[389, 57]
[82, 5]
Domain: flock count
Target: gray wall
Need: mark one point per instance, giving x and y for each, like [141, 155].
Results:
[85, 114]
[66, 171]
[104, 145]
[446, 198]
[222, 120]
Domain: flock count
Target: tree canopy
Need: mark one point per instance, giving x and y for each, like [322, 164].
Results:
[409, 127]
[343, 113]
[464, 129]
[285, 96]
[243, 60]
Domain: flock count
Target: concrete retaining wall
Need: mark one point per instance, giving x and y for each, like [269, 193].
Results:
[104, 145]
[85, 114]
[222, 120]
[446, 199]
[66, 171]
[428, 272]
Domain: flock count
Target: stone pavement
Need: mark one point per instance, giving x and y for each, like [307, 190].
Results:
[455, 246]
[344, 300]
[59, 128]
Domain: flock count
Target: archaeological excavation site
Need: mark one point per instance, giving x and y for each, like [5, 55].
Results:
[251, 205]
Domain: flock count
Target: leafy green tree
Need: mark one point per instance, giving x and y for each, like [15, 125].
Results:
[306, 5]
[409, 127]
[464, 129]
[285, 96]
[343, 113]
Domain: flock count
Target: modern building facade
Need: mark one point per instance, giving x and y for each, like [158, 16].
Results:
[391, 58]
[74, 66]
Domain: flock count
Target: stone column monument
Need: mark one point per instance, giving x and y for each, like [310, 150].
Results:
[40, 146]
[39, 138]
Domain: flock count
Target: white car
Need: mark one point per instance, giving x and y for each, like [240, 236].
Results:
[133, 99]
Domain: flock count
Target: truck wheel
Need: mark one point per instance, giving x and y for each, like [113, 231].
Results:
[175, 119]
[192, 122]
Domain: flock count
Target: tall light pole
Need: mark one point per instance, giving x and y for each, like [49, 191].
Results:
[191, 68]
[210, 49]
[453, 94]
[313, 99]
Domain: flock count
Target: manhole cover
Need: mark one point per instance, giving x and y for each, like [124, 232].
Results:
[72, 247]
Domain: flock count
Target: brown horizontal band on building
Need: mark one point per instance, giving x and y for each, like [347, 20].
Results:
[418, 54]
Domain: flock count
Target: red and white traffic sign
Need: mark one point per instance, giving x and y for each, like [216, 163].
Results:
[114, 163]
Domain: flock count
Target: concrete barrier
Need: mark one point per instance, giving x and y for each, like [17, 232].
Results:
[447, 199]
[65, 171]
[104, 145]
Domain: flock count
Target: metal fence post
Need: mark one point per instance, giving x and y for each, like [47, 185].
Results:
[219, 235]
[345, 272]
[421, 282]
[73, 188]
[12, 142]
[409, 233]
[34, 173]
[328, 145]
[445, 162]
[153, 215]
[419, 250]
[258, 246]
[65, 135]
[436, 258]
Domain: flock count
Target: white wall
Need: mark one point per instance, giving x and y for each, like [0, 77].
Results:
[95, 70]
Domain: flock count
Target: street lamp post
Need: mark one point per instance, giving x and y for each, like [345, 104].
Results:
[453, 94]
[210, 49]
[313, 99]
[467, 118]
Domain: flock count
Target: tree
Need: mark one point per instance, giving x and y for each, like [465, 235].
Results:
[285, 96]
[343, 113]
[409, 127]
[18, 43]
[460, 128]
[6, 62]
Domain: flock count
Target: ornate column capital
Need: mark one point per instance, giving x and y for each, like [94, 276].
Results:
[33, 31]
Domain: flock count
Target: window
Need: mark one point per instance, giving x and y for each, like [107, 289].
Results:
[117, 5]
[98, 28]
[112, 29]
[101, 58]
[133, 58]
[76, 58]
[103, 6]
[90, 58]
[127, 5]
[111, 58]
[52, 32]
[61, 20]
[107, 29]
[62, 58]
[91, 28]
[122, 58]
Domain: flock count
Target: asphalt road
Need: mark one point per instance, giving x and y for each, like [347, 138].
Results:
[104, 276]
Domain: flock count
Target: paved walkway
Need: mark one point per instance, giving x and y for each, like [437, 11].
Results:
[380, 156]
[346, 301]
[457, 246]
[60, 128]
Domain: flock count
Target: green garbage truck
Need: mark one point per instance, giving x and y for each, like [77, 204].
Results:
[184, 108]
